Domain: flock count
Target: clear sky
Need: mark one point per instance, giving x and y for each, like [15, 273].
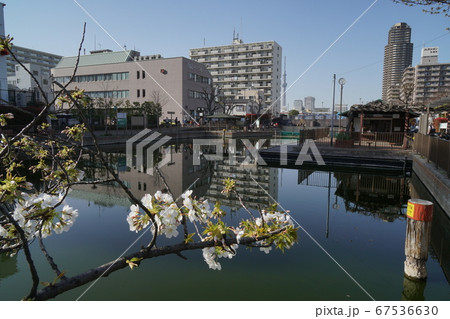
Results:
[304, 28]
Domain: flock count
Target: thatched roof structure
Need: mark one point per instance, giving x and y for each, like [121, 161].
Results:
[379, 106]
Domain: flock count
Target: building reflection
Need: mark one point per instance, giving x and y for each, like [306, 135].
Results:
[179, 175]
[384, 197]
[8, 265]
[256, 185]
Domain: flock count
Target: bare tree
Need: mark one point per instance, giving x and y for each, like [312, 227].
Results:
[211, 95]
[227, 104]
[431, 6]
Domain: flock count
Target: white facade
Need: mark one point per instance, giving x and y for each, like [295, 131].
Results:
[429, 55]
[23, 88]
[250, 102]
[429, 81]
[25, 55]
[21, 85]
[3, 73]
[298, 105]
[310, 103]
[241, 66]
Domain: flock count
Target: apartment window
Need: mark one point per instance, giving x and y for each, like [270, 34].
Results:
[143, 90]
[138, 93]
[143, 74]
[137, 75]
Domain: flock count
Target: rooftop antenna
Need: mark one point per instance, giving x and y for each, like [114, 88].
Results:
[242, 29]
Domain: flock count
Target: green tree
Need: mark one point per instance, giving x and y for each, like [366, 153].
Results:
[293, 112]
[152, 111]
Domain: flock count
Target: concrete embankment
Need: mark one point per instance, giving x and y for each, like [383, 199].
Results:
[178, 134]
[435, 180]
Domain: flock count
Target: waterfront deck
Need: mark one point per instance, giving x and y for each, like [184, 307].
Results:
[362, 158]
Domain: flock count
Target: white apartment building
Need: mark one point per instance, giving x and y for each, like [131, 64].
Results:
[177, 82]
[22, 88]
[43, 59]
[428, 81]
[241, 66]
[3, 79]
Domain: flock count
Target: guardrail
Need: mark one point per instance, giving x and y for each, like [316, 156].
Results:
[434, 149]
[357, 139]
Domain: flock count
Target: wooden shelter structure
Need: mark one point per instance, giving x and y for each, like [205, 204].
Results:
[378, 116]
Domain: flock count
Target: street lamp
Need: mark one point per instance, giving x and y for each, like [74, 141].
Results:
[341, 81]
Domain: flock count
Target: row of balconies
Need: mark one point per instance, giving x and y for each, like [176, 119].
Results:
[238, 65]
[244, 85]
[231, 50]
[241, 71]
[248, 56]
[240, 78]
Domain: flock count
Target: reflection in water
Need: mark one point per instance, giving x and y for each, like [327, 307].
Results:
[413, 290]
[373, 254]
[179, 174]
[8, 266]
[440, 227]
[372, 195]
[257, 186]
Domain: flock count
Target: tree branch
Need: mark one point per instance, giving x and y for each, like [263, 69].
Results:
[108, 268]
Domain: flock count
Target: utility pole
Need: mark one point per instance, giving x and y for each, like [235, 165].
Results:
[332, 111]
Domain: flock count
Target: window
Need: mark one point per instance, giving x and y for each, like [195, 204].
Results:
[143, 92]
[138, 93]
[137, 75]
[143, 75]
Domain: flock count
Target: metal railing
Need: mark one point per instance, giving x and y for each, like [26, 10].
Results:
[434, 149]
[388, 140]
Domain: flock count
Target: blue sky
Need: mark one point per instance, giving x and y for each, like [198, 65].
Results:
[304, 29]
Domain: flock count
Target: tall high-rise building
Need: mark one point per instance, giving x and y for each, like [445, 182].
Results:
[310, 103]
[397, 57]
[242, 66]
[298, 105]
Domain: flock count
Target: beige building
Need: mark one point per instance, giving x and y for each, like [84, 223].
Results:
[177, 82]
[241, 66]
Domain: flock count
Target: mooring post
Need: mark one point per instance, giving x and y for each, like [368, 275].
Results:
[418, 230]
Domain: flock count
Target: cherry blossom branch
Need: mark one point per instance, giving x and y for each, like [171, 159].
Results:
[108, 268]
[26, 250]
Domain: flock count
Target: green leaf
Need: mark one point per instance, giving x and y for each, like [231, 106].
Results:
[189, 239]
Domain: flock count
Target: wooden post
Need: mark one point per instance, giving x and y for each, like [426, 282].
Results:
[418, 230]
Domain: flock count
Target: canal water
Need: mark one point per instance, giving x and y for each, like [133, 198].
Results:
[351, 237]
